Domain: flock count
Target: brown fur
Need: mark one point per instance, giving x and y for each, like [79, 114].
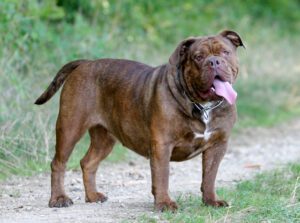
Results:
[149, 110]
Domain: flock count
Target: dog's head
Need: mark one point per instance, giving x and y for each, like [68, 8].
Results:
[209, 65]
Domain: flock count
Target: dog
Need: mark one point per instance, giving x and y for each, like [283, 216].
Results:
[172, 112]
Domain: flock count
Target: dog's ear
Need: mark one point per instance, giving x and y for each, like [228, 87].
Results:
[180, 52]
[233, 37]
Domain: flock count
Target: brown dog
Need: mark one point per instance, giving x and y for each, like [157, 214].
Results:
[172, 112]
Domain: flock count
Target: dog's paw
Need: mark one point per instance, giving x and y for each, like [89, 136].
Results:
[216, 203]
[61, 201]
[166, 206]
[96, 197]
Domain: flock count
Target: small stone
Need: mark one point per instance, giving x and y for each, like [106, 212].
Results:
[28, 208]
[131, 163]
[135, 175]
[73, 182]
[5, 195]
[75, 189]
[77, 198]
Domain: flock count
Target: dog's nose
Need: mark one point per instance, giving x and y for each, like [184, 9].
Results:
[214, 62]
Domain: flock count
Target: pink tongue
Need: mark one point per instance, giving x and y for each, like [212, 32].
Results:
[225, 90]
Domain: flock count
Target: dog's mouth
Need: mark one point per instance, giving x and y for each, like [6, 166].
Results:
[220, 88]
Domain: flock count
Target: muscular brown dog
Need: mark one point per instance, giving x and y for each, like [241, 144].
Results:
[172, 112]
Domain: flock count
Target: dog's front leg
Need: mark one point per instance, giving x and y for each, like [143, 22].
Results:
[159, 160]
[211, 159]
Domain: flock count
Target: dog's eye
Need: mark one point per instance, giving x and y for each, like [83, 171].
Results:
[225, 52]
[199, 57]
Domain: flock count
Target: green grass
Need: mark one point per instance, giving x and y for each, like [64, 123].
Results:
[41, 36]
[270, 197]
[266, 103]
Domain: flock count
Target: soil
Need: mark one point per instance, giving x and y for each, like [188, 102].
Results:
[128, 184]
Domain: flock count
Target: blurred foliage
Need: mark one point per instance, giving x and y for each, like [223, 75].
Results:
[161, 22]
[33, 27]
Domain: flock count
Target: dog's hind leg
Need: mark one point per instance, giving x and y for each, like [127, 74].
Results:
[101, 145]
[68, 133]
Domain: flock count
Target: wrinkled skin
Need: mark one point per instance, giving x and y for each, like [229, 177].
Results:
[150, 111]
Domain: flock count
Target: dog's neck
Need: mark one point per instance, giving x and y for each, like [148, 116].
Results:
[178, 89]
[181, 84]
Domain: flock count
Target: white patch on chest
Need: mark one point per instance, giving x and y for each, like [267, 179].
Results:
[206, 135]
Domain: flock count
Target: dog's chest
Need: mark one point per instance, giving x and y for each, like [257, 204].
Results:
[202, 138]
[196, 138]
[205, 135]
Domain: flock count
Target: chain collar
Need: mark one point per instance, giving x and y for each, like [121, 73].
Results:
[204, 109]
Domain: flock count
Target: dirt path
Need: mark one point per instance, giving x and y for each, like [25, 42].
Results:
[128, 184]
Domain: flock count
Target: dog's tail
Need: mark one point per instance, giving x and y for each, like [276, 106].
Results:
[58, 80]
